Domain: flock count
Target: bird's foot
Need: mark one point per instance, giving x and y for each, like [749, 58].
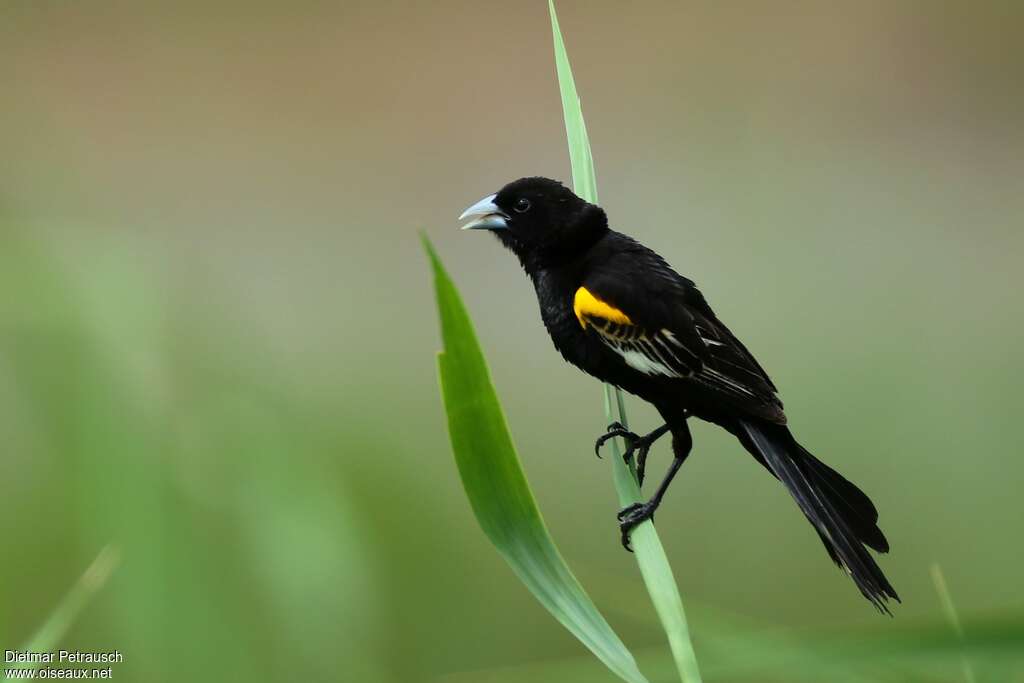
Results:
[632, 515]
[616, 429]
[635, 445]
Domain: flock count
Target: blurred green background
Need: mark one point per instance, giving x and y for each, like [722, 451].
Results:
[217, 331]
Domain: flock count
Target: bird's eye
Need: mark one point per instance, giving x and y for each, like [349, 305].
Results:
[522, 205]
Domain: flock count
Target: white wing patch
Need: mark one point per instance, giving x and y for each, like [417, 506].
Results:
[660, 353]
[644, 364]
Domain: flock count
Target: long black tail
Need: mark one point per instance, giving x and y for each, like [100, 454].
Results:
[844, 517]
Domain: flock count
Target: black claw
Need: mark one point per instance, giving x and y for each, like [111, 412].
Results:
[627, 510]
[616, 429]
[636, 445]
[632, 515]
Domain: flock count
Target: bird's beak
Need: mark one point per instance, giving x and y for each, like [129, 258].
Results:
[486, 216]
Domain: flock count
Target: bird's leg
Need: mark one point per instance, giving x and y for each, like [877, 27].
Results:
[632, 515]
[643, 446]
[635, 445]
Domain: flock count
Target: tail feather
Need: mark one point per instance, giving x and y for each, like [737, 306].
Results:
[842, 514]
[856, 507]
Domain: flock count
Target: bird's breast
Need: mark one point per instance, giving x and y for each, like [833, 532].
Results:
[555, 296]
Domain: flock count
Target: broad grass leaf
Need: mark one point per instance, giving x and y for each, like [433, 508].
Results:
[497, 488]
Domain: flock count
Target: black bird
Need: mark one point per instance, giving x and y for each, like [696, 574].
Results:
[618, 311]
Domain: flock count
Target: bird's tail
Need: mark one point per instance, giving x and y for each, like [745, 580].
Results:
[842, 514]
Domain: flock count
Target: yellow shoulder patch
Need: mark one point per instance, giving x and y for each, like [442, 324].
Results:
[585, 305]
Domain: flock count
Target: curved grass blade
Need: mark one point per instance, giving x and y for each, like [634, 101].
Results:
[65, 614]
[497, 488]
[650, 555]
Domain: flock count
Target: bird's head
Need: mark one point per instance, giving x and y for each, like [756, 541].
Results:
[539, 219]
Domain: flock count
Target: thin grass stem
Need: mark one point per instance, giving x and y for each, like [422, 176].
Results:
[650, 554]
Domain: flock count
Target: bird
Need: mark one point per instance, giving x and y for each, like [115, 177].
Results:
[616, 310]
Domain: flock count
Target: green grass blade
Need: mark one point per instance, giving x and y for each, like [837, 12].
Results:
[746, 651]
[952, 616]
[61, 619]
[584, 181]
[650, 554]
[497, 488]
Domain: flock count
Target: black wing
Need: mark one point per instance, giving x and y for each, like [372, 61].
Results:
[661, 325]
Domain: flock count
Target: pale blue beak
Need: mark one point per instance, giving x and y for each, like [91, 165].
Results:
[486, 216]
